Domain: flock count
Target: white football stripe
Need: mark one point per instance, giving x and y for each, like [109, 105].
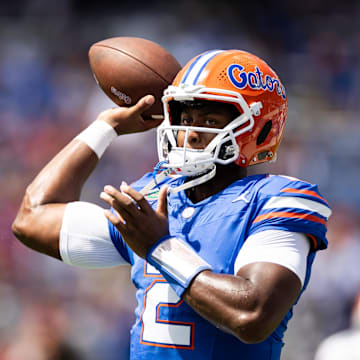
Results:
[297, 203]
[200, 62]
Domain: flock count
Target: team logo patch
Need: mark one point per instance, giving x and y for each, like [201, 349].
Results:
[255, 80]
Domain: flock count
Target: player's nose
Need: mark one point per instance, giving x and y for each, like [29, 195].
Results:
[195, 140]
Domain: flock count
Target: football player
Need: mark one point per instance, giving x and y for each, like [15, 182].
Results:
[219, 258]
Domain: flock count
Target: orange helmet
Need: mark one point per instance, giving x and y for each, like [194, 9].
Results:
[235, 77]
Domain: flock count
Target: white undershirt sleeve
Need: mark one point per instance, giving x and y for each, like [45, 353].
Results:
[285, 248]
[85, 238]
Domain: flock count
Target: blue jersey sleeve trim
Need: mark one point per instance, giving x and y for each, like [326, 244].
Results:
[305, 193]
[120, 244]
[273, 213]
[291, 213]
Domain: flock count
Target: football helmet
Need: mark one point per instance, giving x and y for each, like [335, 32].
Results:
[234, 77]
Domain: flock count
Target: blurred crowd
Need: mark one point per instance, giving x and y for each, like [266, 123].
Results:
[49, 311]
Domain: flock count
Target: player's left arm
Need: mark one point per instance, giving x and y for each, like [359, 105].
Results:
[275, 264]
[249, 305]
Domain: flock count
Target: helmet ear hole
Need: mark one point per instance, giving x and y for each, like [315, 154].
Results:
[264, 132]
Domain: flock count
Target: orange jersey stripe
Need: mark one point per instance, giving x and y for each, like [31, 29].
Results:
[313, 240]
[146, 274]
[190, 347]
[284, 214]
[305, 192]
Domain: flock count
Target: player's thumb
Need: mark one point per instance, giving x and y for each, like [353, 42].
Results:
[162, 201]
[142, 105]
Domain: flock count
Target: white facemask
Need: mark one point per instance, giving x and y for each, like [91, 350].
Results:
[222, 149]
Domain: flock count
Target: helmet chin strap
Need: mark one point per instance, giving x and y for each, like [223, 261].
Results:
[194, 182]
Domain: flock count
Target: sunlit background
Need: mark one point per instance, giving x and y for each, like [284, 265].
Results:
[50, 311]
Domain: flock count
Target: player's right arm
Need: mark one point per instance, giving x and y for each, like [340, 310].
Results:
[39, 219]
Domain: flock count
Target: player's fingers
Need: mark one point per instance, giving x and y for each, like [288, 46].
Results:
[136, 196]
[124, 207]
[162, 201]
[117, 221]
[120, 201]
[143, 104]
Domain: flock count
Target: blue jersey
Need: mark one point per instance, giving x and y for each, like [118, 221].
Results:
[216, 228]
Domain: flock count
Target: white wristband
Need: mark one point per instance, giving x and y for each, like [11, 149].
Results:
[177, 261]
[98, 136]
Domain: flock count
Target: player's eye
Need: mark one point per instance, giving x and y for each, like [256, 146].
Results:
[210, 122]
[186, 121]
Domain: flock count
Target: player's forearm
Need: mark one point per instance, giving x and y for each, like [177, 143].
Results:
[230, 303]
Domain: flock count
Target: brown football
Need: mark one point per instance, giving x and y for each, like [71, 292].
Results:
[127, 68]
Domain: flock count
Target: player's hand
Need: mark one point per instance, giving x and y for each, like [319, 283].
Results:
[126, 120]
[140, 225]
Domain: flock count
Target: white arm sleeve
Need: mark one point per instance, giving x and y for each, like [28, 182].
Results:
[281, 247]
[85, 238]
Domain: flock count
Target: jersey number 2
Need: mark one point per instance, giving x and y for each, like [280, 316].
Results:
[164, 332]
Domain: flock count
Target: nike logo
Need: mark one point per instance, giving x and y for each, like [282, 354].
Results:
[242, 197]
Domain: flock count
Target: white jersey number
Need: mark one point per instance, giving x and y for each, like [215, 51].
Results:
[162, 332]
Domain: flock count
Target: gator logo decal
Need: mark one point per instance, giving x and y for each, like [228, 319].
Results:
[255, 80]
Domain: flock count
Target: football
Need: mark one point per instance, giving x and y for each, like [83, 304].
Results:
[127, 68]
